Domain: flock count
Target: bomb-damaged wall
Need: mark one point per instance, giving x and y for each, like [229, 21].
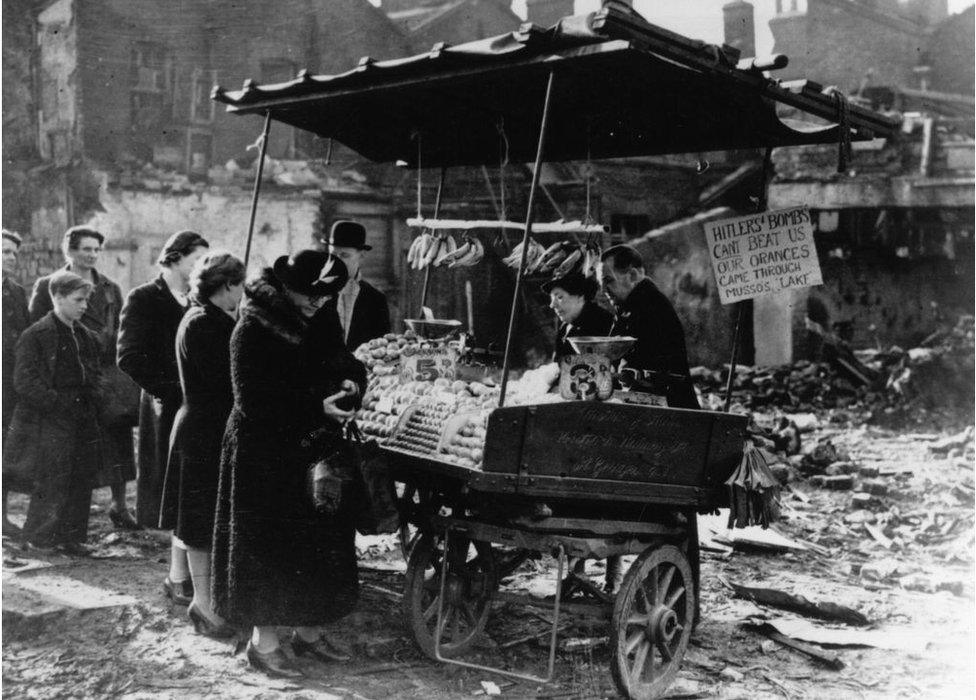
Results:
[136, 223]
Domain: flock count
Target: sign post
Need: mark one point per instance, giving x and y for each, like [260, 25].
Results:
[766, 253]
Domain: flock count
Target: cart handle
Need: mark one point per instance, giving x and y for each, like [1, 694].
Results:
[438, 628]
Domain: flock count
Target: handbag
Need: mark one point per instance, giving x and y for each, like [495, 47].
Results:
[331, 479]
[120, 398]
[374, 491]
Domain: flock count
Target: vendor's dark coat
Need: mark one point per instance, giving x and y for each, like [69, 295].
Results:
[15, 322]
[42, 444]
[648, 315]
[147, 353]
[203, 357]
[275, 560]
[370, 316]
[102, 319]
[592, 320]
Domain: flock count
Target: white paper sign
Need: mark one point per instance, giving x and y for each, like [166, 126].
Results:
[767, 253]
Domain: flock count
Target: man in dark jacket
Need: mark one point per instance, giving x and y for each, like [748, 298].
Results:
[362, 308]
[15, 322]
[646, 314]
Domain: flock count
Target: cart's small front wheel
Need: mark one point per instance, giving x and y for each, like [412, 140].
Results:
[471, 582]
[652, 620]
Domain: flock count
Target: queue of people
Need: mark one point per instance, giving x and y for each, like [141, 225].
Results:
[243, 385]
[235, 378]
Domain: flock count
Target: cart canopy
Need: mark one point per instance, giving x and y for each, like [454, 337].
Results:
[622, 88]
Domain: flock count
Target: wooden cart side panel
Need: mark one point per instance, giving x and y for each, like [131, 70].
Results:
[503, 441]
[617, 442]
[725, 447]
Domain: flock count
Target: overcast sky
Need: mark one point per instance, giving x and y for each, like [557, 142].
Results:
[702, 19]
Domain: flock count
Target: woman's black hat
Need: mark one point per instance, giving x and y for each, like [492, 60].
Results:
[348, 234]
[311, 272]
[574, 283]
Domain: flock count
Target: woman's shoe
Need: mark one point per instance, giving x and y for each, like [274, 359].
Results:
[180, 592]
[73, 549]
[206, 627]
[320, 649]
[122, 519]
[274, 663]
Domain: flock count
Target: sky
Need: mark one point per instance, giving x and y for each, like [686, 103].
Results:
[702, 19]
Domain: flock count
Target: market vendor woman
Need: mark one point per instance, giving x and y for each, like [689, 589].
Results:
[646, 314]
[571, 297]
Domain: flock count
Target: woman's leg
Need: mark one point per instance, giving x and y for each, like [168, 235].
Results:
[179, 570]
[198, 561]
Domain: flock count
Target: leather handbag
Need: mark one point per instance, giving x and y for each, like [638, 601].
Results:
[374, 494]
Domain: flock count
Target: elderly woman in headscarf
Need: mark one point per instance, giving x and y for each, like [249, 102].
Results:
[277, 562]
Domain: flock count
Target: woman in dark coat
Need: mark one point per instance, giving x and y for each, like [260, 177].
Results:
[276, 561]
[54, 433]
[147, 353]
[203, 357]
[571, 297]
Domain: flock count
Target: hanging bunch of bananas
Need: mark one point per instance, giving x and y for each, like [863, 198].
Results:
[469, 253]
[532, 256]
[442, 249]
[559, 259]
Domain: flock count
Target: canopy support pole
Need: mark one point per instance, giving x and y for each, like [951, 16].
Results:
[257, 186]
[440, 242]
[740, 308]
[540, 148]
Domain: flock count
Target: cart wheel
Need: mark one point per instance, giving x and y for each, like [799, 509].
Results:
[652, 620]
[470, 586]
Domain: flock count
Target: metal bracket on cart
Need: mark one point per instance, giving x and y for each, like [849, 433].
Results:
[439, 627]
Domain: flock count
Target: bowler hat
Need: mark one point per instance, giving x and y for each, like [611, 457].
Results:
[348, 234]
[574, 283]
[311, 272]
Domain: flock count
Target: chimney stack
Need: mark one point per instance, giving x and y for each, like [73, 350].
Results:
[546, 13]
[740, 32]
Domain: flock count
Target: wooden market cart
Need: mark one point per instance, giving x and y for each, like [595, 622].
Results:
[619, 479]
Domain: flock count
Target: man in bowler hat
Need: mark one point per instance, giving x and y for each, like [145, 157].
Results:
[362, 308]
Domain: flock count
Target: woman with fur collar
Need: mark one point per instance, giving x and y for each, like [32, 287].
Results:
[276, 561]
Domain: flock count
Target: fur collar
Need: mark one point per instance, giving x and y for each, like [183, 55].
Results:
[266, 303]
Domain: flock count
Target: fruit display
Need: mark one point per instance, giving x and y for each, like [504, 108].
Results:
[559, 259]
[443, 418]
[382, 355]
[442, 249]
[464, 442]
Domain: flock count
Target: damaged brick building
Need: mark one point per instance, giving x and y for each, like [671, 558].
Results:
[108, 120]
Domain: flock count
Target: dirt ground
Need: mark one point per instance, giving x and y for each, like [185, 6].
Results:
[904, 560]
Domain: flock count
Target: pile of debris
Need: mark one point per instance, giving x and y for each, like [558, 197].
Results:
[931, 385]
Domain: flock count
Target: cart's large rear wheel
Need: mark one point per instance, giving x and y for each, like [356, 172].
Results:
[470, 586]
[652, 620]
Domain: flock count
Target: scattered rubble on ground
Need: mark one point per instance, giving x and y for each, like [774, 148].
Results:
[928, 387]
